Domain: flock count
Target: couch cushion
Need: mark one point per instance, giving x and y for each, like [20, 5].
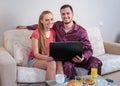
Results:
[96, 40]
[30, 75]
[18, 44]
[21, 54]
[33, 75]
[110, 62]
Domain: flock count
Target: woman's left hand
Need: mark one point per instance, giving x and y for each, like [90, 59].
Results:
[78, 59]
[50, 58]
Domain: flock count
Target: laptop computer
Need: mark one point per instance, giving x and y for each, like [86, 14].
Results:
[63, 51]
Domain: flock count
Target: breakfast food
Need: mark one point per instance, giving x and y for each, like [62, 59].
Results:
[89, 81]
[73, 83]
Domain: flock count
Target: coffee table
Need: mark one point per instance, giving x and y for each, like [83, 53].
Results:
[53, 83]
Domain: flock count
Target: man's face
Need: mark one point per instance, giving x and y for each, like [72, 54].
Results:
[66, 15]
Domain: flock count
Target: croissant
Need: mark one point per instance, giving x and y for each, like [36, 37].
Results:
[89, 81]
[73, 83]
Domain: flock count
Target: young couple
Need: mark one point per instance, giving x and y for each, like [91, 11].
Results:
[47, 31]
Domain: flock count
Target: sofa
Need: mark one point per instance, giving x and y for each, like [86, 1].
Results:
[17, 46]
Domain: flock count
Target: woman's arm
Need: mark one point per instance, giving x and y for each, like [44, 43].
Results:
[36, 51]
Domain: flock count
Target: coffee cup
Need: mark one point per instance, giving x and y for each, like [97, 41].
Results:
[60, 78]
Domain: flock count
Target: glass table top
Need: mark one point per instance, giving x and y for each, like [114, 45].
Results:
[98, 78]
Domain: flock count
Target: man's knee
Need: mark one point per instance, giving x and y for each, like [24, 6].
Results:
[68, 65]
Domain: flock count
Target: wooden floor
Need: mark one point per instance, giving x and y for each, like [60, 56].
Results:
[114, 76]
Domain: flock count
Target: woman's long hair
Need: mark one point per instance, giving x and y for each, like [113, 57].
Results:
[42, 37]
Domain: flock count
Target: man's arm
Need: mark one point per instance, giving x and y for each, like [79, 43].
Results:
[30, 27]
[87, 49]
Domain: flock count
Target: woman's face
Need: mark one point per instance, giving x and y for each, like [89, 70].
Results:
[48, 21]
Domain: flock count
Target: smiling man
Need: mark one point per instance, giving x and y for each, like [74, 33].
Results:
[69, 30]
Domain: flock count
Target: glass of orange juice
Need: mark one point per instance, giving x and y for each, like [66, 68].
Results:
[94, 70]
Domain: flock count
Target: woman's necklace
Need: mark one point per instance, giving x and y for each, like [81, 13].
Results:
[47, 34]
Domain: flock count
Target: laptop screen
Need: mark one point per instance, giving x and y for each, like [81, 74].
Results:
[65, 50]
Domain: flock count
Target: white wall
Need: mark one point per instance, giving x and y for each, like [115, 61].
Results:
[102, 13]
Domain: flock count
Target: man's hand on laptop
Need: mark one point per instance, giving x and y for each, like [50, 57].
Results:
[78, 59]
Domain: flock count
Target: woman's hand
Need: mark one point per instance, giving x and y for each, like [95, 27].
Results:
[48, 58]
[78, 59]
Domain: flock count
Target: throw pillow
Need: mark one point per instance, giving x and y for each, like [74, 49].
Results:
[96, 40]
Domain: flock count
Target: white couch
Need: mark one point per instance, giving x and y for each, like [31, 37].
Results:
[17, 45]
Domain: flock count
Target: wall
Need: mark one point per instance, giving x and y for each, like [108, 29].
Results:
[102, 13]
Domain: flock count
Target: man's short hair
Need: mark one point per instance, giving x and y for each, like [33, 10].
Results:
[65, 6]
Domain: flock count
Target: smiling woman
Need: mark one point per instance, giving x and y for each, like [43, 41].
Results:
[40, 39]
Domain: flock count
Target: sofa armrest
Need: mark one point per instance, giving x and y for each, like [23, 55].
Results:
[8, 69]
[112, 48]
